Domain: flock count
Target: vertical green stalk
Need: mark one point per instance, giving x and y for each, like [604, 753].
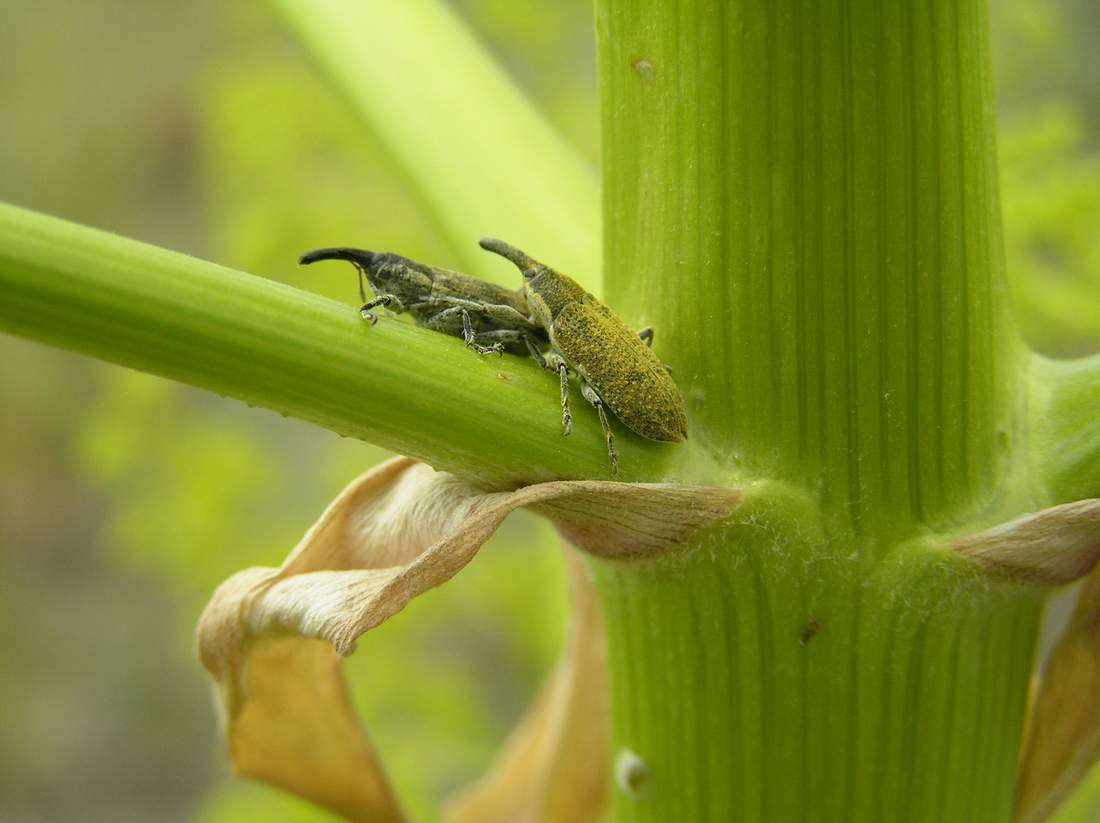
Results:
[759, 678]
[802, 199]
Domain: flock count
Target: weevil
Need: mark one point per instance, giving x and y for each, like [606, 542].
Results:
[616, 367]
[489, 318]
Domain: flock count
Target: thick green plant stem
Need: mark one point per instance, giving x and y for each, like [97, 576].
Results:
[803, 198]
[754, 691]
[411, 390]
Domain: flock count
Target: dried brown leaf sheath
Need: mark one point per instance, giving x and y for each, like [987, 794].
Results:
[395, 532]
[1053, 547]
[1062, 740]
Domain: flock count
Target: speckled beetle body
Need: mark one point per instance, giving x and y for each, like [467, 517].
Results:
[616, 367]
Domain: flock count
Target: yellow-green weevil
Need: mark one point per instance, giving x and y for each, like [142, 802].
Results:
[616, 367]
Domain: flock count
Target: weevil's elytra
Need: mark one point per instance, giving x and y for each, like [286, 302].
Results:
[631, 381]
[616, 363]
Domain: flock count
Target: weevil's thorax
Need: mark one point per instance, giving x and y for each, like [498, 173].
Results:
[548, 293]
[406, 279]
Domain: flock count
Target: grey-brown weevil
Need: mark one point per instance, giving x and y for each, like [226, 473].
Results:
[488, 317]
[616, 367]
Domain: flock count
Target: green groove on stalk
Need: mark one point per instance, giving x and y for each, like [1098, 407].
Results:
[941, 684]
[411, 390]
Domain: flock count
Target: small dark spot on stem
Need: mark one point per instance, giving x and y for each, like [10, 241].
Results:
[645, 69]
[811, 629]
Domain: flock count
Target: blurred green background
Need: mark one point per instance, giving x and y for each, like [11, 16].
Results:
[125, 499]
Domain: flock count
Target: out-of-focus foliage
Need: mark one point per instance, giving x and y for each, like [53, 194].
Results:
[170, 490]
[1047, 72]
[1052, 234]
[1048, 83]
[124, 499]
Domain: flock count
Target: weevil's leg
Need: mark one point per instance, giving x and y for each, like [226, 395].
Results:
[444, 322]
[533, 348]
[556, 361]
[386, 301]
[471, 338]
[456, 322]
[593, 398]
[448, 321]
[502, 314]
[504, 337]
[362, 291]
[506, 315]
[647, 337]
[516, 335]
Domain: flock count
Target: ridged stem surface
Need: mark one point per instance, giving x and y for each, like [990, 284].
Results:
[760, 686]
[802, 199]
[495, 419]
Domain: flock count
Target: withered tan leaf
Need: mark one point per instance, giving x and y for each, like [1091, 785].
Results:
[555, 767]
[1051, 547]
[395, 532]
[1062, 741]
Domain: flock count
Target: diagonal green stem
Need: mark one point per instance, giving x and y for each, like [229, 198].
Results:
[410, 390]
[483, 159]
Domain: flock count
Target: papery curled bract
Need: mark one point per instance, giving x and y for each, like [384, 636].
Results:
[272, 638]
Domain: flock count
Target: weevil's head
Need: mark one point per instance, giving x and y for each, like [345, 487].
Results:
[385, 272]
[547, 291]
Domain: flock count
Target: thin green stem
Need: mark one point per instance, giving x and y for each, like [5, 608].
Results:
[411, 390]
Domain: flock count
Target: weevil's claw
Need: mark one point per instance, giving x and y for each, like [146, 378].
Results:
[613, 456]
[496, 348]
[567, 424]
[369, 316]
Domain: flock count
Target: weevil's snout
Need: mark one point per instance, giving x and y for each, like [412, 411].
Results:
[522, 262]
[360, 257]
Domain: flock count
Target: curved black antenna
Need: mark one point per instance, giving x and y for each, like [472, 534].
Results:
[360, 258]
[522, 261]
